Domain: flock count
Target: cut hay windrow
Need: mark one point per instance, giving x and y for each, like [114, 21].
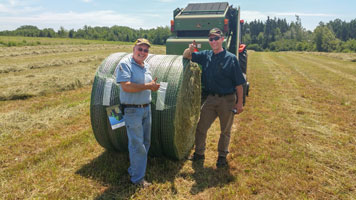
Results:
[173, 125]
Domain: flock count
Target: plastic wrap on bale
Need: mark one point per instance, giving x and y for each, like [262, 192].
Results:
[173, 128]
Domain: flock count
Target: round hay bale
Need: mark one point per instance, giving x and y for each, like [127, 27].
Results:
[173, 127]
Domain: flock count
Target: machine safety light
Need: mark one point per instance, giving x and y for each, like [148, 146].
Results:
[172, 25]
[226, 25]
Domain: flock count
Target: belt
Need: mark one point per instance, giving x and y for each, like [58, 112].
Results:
[136, 106]
[220, 95]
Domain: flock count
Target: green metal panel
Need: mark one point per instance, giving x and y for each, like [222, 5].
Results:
[194, 23]
[199, 22]
[205, 8]
[176, 46]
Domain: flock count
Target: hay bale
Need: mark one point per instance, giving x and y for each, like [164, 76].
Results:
[173, 128]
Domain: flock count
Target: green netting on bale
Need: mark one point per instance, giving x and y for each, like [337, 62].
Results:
[173, 128]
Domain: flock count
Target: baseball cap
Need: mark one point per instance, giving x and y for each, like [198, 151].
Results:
[215, 31]
[142, 41]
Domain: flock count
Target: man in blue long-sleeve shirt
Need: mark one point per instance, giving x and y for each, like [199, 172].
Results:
[222, 79]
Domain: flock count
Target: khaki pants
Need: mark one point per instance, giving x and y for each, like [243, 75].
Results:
[213, 107]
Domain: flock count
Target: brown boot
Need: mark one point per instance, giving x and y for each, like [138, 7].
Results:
[222, 162]
[196, 157]
[143, 183]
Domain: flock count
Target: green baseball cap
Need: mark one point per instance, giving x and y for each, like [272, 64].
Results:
[215, 31]
[142, 41]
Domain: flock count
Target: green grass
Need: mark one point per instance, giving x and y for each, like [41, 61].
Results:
[11, 41]
[34, 71]
[296, 138]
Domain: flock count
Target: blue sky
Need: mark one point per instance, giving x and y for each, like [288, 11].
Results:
[74, 14]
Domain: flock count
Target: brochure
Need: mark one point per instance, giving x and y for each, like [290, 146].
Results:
[116, 118]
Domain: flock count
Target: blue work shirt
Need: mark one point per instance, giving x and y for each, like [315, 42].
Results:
[221, 72]
[129, 70]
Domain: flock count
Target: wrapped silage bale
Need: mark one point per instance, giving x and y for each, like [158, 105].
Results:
[175, 107]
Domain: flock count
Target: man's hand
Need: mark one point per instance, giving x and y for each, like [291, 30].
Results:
[134, 87]
[239, 107]
[188, 51]
[153, 85]
[187, 54]
[192, 47]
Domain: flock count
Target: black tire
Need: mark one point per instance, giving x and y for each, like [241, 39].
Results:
[243, 61]
[243, 65]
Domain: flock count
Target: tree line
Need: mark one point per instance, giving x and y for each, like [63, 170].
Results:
[279, 35]
[157, 35]
[270, 35]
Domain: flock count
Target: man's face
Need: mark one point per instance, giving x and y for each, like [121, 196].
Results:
[216, 42]
[140, 53]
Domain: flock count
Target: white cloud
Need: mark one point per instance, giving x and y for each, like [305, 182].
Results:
[4, 9]
[303, 14]
[16, 8]
[309, 20]
[249, 15]
[71, 20]
[13, 2]
[86, 1]
[252, 15]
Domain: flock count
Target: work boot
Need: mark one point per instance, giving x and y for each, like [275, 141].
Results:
[196, 157]
[222, 162]
[143, 183]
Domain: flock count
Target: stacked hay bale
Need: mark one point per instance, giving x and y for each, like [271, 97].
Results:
[173, 125]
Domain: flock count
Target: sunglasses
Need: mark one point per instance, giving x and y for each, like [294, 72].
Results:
[144, 50]
[216, 38]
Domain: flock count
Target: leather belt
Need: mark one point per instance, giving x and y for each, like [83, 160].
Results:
[135, 106]
[220, 95]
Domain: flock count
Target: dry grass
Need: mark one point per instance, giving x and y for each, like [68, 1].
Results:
[34, 71]
[40, 41]
[300, 134]
[295, 140]
[341, 56]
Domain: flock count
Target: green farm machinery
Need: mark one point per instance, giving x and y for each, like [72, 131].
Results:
[193, 24]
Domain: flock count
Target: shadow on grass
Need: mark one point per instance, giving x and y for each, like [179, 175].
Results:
[110, 168]
[209, 177]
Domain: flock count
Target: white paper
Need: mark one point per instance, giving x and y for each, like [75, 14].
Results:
[161, 96]
[107, 92]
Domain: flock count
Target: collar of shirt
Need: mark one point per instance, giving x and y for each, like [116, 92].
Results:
[220, 54]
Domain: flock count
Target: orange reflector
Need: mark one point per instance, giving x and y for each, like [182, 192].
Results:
[226, 25]
[242, 48]
[172, 26]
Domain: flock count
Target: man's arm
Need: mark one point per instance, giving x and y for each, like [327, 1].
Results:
[188, 52]
[128, 86]
[239, 104]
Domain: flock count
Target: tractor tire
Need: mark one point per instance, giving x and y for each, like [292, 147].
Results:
[243, 65]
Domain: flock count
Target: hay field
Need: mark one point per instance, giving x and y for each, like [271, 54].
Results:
[295, 140]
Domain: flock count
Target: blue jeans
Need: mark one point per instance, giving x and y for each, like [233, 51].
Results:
[138, 123]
